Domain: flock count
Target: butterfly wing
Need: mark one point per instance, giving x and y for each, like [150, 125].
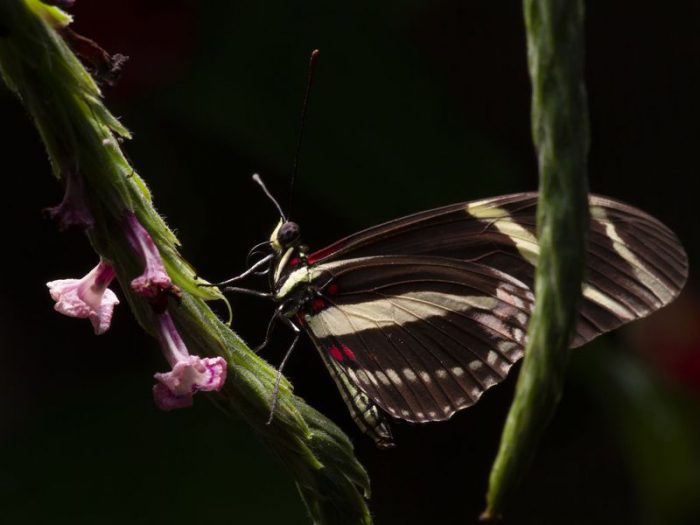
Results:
[635, 265]
[363, 410]
[426, 312]
[423, 337]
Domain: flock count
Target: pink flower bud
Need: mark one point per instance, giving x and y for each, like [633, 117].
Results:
[154, 283]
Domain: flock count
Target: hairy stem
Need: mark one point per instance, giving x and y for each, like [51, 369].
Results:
[80, 135]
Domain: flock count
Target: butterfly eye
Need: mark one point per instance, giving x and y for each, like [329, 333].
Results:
[289, 232]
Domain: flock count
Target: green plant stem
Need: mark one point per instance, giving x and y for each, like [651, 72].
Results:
[555, 47]
[81, 136]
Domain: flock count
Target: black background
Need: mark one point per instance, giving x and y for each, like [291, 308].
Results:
[416, 104]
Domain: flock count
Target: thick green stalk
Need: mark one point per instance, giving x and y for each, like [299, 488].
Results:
[81, 137]
[555, 47]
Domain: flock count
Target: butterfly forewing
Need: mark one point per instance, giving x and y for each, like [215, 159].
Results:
[426, 312]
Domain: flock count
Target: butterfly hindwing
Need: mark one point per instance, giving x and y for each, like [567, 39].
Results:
[424, 337]
[368, 417]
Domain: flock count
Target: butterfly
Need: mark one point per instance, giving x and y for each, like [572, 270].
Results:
[417, 317]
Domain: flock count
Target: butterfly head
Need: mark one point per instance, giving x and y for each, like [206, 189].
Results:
[284, 236]
[289, 255]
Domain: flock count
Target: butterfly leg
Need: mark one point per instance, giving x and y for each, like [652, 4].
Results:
[276, 391]
[270, 326]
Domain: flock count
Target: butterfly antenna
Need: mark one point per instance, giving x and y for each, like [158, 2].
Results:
[257, 179]
[313, 59]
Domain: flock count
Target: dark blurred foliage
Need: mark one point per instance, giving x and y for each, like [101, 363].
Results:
[416, 104]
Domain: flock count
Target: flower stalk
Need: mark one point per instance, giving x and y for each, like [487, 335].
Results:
[555, 49]
[110, 200]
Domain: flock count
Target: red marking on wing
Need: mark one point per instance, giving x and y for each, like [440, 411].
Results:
[332, 289]
[294, 262]
[349, 353]
[324, 252]
[317, 304]
[335, 353]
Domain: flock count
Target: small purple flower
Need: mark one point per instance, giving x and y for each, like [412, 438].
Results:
[189, 373]
[154, 283]
[73, 210]
[87, 298]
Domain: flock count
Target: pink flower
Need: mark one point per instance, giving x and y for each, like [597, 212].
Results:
[88, 297]
[154, 283]
[73, 210]
[189, 373]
